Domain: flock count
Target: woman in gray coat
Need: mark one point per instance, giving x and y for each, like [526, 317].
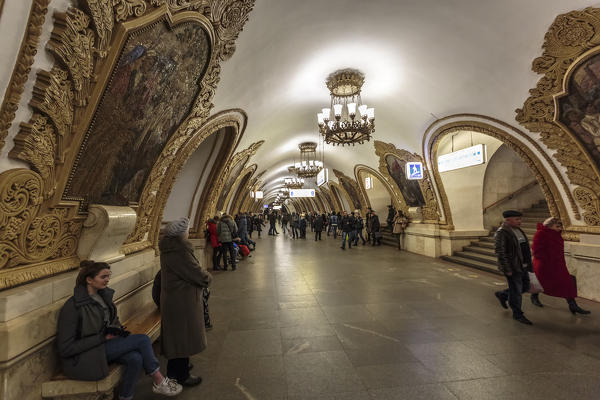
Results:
[181, 305]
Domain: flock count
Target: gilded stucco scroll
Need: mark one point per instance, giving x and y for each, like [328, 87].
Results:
[572, 39]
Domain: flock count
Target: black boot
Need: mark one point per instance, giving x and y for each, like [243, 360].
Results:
[535, 300]
[575, 309]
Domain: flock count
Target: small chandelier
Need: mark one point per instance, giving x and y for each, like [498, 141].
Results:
[345, 128]
[309, 166]
[293, 183]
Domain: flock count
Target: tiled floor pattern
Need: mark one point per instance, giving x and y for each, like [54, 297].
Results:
[306, 320]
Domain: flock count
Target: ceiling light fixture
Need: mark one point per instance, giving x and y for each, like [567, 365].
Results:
[294, 183]
[345, 128]
[309, 165]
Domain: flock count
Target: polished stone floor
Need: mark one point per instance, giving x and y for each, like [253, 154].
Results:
[306, 320]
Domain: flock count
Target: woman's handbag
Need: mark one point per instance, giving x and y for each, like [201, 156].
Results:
[534, 284]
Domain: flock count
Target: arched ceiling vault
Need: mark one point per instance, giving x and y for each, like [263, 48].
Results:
[422, 61]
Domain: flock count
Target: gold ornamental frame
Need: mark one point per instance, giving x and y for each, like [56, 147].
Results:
[233, 193]
[431, 210]
[515, 139]
[398, 202]
[572, 38]
[39, 231]
[364, 201]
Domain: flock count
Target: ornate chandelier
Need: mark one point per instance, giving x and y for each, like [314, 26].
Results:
[309, 166]
[293, 183]
[345, 128]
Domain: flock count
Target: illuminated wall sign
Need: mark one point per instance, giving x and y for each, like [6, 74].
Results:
[265, 205]
[258, 195]
[276, 207]
[368, 182]
[462, 158]
[302, 193]
[414, 170]
[323, 177]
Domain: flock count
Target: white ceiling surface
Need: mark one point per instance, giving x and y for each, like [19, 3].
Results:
[422, 60]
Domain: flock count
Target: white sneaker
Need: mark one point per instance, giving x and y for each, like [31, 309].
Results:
[168, 387]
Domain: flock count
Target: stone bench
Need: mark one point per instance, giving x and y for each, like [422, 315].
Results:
[147, 321]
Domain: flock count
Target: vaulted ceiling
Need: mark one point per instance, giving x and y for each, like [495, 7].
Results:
[423, 60]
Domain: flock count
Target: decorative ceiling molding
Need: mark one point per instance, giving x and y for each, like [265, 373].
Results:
[571, 39]
[431, 209]
[20, 75]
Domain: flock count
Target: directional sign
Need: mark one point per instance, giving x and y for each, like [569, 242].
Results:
[414, 170]
[468, 157]
[302, 193]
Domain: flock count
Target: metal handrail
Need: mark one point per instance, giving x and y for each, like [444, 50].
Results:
[510, 196]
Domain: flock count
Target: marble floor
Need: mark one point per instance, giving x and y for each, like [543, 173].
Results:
[307, 320]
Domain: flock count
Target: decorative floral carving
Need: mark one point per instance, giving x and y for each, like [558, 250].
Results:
[570, 36]
[28, 236]
[15, 88]
[36, 144]
[72, 43]
[126, 8]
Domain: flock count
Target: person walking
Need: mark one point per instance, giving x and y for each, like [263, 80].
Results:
[227, 231]
[318, 227]
[90, 336]
[334, 224]
[550, 266]
[358, 228]
[211, 230]
[295, 225]
[302, 225]
[375, 229]
[182, 331]
[400, 224]
[512, 250]
[285, 219]
[390, 217]
[347, 225]
[368, 223]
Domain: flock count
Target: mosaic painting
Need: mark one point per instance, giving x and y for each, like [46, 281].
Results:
[580, 108]
[411, 191]
[151, 92]
[352, 193]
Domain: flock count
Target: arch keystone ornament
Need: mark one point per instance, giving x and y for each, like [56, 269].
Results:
[560, 105]
[429, 205]
[40, 222]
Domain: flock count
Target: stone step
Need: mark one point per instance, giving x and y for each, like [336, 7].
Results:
[480, 250]
[488, 239]
[472, 264]
[485, 258]
[488, 245]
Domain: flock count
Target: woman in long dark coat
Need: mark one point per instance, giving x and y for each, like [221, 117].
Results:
[183, 280]
[550, 266]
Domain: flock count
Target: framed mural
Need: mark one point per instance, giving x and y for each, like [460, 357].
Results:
[151, 91]
[411, 190]
[580, 107]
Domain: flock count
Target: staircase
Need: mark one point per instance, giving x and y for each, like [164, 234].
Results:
[480, 254]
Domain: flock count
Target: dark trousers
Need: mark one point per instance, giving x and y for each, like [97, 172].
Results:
[357, 236]
[518, 283]
[215, 257]
[179, 369]
[225, 248]
[303, 233]
[317, 235]
[294, 232]
[346, 236]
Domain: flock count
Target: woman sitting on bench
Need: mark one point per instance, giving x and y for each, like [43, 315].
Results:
[90, 337]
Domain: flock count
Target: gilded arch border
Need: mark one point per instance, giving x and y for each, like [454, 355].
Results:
[515, 139]
[336, 187]
[431, 210]
[364, 200]
[572, 38]
[234, 193]
[331, 201]
[398, 201]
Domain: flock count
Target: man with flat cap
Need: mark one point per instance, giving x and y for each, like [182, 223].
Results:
[514, 258]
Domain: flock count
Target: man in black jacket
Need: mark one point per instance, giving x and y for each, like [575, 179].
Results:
[347, 225]
[514, 256]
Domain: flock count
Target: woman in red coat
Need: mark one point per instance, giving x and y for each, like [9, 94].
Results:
[211, 228]
[550, 266]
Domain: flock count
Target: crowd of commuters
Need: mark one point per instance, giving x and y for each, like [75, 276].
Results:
[90, 335]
